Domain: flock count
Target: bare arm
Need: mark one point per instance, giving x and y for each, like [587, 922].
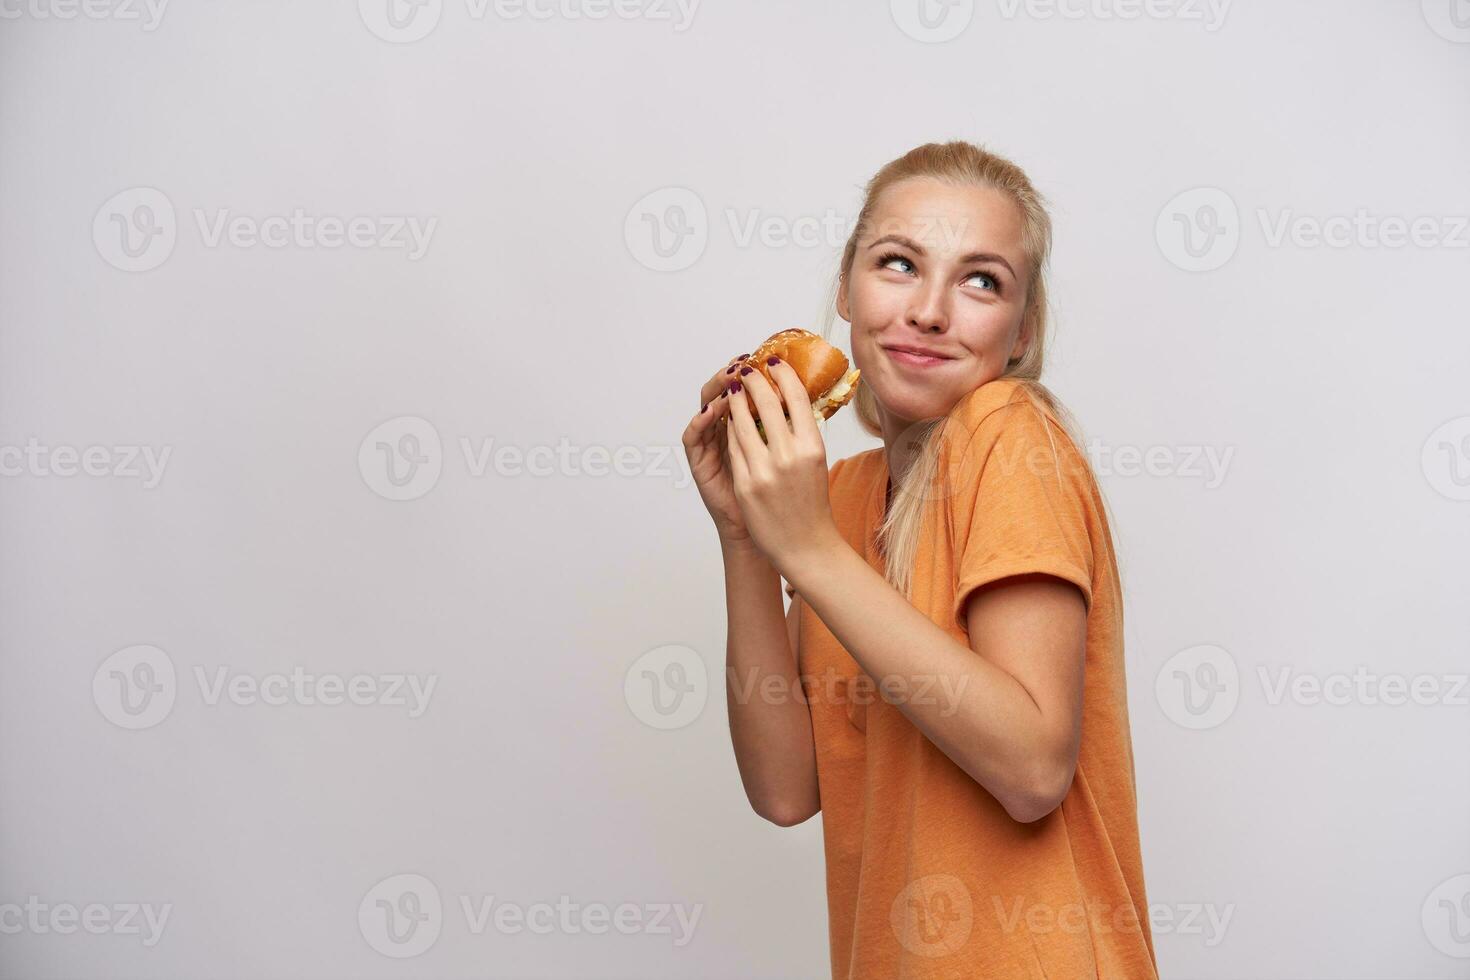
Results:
[770, 725]
[1006, 708]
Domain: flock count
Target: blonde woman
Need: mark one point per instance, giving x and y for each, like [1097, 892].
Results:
[954, 642]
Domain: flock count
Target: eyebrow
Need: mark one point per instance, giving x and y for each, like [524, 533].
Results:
[966, 260]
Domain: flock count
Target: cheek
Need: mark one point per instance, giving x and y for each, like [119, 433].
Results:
[991, 332]
[872, 305]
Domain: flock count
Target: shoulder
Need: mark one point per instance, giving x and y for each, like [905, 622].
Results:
[1007, 419]
[992, 405]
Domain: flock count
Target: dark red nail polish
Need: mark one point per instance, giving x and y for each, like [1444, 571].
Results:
[735, 386]
[724, 393]
[703, 407]
[731, 368]
[746, 370]
[773, 359]
[742, 357]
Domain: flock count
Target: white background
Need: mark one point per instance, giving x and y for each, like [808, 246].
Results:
[541, 314]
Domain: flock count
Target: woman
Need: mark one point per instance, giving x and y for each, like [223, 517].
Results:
[955, 633]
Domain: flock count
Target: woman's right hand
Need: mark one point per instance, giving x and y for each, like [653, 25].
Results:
[709, 458]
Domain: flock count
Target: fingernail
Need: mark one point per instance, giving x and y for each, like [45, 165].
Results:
[773, 359]
[735, 386]
[724, 393]
[746, 370]
[742, 357]
[703, 407]
[731, 368]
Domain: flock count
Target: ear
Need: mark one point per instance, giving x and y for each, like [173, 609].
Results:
[1023, 339]
[842, 300]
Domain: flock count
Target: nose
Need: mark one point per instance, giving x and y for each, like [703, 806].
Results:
[927, 311]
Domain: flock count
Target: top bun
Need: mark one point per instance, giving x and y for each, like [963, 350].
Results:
[818, 364]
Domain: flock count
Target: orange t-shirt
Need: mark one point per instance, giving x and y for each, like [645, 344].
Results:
[927, 876]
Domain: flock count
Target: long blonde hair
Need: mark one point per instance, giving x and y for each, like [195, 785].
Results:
[955, 162]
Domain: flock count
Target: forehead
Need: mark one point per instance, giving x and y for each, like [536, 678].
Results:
[949, 219]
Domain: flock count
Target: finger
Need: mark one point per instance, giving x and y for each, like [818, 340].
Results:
[721, 378]
[701, 428]
[798, 403]
[742, 425]
[768, 406]
[734, 441]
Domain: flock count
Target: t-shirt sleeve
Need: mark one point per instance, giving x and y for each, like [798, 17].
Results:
[1021, 502]
[831, 482]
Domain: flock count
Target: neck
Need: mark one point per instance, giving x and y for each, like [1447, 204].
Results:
[899, 447]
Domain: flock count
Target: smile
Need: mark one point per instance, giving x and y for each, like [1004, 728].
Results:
[915, 360]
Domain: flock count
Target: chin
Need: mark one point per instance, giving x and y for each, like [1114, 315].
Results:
[912, 406]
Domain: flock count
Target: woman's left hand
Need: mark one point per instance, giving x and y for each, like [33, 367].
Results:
[781, 484]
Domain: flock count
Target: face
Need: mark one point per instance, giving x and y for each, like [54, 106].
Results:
[941, 270]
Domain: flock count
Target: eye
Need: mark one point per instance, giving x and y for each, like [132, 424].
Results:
[994, 283]
[888, 257]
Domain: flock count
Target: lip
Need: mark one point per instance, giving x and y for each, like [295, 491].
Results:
[915, 356]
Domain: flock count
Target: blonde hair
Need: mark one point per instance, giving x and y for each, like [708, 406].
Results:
[955, 162]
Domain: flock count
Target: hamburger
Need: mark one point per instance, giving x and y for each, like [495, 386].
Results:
[822, 368]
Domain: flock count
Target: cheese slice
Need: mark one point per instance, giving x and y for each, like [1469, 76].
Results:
[839, 391]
